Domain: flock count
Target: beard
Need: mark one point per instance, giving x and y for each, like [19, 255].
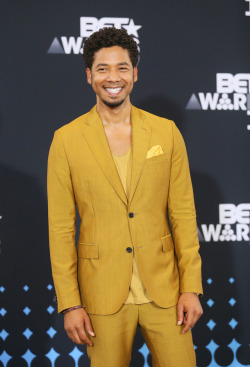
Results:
[113, 104]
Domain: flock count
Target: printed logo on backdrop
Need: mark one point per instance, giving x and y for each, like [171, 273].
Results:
[88, 25]
[247, 13]
[234, 225]
[232, 94]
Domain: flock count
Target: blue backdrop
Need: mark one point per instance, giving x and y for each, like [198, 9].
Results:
[194, 69]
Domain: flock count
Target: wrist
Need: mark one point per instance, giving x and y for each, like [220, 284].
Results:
[71, 309]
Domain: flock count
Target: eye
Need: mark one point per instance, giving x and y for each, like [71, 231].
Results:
[101, 69]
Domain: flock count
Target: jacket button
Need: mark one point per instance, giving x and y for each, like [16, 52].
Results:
[131, 215]
[129, 249]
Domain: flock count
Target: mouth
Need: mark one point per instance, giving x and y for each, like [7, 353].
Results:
[114, 91]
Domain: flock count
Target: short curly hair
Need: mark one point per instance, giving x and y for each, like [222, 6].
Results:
[108, 37]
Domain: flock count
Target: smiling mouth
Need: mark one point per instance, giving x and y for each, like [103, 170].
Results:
[113, 91]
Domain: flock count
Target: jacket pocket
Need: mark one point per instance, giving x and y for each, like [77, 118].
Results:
[88, 251]
[167, 243]
[156, 158]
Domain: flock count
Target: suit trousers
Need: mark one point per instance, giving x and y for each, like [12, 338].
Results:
[112, 345]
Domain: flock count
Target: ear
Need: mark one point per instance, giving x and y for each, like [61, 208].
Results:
[135, 74]
[89, 78]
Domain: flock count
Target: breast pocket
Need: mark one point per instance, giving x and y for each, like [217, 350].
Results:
[88, 251]
[157, 159]
[155, 179]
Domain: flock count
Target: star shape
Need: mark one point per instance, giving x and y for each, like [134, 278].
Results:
[131, 28]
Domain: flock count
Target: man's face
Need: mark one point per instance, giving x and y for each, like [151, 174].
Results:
[112, 76]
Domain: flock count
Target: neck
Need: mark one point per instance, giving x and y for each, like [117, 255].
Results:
[114, 116]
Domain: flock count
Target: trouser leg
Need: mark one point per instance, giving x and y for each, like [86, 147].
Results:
[112, 345]
[168, 347]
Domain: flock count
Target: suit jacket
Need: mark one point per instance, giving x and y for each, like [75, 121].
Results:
[82, 173]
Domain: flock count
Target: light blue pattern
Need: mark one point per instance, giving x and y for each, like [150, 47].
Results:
[212, 346]
[26, 288]
[52, 355]
[26, 310]
[51, 332]
[28, 357]
[3, 312]
[76, 355]
[27, 333]
[234, 345]
[50, 309]
[4, 334]
[4, 358]
[233, 323]
[211, 324]
[232, 302]
[145, 352]
[210, 302]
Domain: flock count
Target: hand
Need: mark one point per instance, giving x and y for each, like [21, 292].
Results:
[189, 310]
[77, 324]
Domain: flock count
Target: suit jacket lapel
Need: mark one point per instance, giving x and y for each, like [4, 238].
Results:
[96, 138]
[141, 134]
[94, 133]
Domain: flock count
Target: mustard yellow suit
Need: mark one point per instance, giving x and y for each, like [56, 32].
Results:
[82, 172]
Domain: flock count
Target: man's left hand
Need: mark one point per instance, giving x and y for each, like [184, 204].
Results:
[189, 310]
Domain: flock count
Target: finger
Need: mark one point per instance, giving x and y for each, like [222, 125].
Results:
[83, 337]
[180, 314]
[88, 326]
[185, 329]
[75, 338]
[189, 322]
[196, 317]
[185, 318]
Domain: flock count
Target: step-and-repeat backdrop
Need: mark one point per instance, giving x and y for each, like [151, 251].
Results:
[194, 68]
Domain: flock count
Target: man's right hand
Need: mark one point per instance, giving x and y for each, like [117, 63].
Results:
[77, 325]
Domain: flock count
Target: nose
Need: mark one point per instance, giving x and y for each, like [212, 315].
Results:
[113, 75]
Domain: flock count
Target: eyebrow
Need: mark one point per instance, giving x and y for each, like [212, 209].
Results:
[120, 63]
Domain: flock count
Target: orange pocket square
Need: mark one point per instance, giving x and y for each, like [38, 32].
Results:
[154, 151]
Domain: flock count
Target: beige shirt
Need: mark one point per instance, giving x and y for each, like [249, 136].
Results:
[137, 291]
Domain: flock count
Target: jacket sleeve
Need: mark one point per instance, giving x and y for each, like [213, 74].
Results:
[62, 215]
[182, 218]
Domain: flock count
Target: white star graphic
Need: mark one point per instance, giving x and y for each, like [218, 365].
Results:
[131, 28]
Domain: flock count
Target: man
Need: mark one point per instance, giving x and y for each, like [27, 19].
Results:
[125, 169]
